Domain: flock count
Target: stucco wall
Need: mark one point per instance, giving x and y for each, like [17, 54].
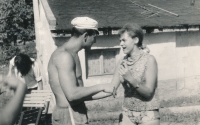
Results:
[178, 62]
[45, 44]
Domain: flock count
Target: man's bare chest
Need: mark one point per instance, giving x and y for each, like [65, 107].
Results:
[78, 68]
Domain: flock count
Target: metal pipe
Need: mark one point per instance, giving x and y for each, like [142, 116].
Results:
[163, 10]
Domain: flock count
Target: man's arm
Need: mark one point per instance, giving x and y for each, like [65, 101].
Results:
[11, 111]
[100, 95]
[65, 65]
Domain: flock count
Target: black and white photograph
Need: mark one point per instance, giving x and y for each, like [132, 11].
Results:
[99, 62]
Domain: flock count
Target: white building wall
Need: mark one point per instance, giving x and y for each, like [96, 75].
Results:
[45, 44]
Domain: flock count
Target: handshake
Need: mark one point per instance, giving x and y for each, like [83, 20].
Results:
[110, 89]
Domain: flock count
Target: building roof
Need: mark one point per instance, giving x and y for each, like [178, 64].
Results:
[116, 13]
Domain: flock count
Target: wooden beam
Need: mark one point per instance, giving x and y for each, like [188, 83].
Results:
[49, 14]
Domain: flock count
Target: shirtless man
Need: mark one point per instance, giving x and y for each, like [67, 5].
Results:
[65, 75]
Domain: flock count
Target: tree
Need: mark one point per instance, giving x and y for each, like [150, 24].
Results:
[17, 20]
[7, 53]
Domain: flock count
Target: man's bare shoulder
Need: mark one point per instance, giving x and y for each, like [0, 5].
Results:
[61, 57]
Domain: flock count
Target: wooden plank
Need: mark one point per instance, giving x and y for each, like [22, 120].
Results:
[29, 102]
[38, 94]
[35, 99]
[42, 93]
[33, 105]
[38, 98]
[34, 95]
[49, 14]
[26, 99]
[31, 96]
[38, 91]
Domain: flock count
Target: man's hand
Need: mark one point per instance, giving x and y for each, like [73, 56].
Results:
[110, 88]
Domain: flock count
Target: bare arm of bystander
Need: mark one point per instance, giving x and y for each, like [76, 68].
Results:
[11, 111]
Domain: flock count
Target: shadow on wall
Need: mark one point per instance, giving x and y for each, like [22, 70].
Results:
[157, 38]
[101, 41]
[107, 41]
[182, 39]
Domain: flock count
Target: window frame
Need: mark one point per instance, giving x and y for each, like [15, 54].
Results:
[101, 58]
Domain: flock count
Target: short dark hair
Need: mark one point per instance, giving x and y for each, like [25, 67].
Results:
[77, 32]
[23, 63]
[133, 30]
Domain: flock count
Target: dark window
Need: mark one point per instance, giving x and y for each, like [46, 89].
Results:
[101, 61]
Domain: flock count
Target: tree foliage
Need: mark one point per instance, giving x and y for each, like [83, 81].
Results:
[17, 20]
[7, 53]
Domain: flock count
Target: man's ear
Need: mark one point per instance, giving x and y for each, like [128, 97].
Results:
[85, 35]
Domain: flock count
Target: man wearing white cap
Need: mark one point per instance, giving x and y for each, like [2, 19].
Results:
[65, 76]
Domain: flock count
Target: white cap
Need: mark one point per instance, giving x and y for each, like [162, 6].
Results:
[84, 23]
